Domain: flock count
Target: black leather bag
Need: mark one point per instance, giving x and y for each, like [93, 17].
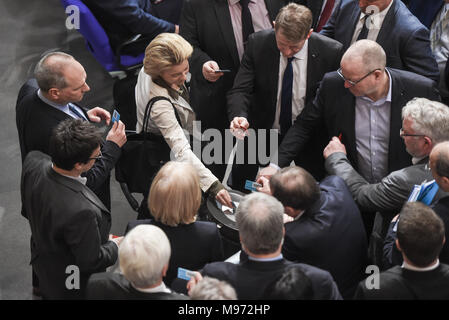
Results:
[142, 155]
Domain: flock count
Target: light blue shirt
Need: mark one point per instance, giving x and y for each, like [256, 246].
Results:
[63, 108]
[372, 135]
[279, 257]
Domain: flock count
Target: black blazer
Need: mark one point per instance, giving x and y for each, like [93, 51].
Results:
[401, 284]
[114, 286]
[334, 110]
[69, 226]
[206, 24]
[35, 122]
[330, 235]
[192, 245]
[402, 36]
[251, 278]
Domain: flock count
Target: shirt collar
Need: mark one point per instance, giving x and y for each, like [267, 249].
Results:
[279, 257]
[379, 15]
[387, 98]
[82, 180]
[159, 288]
[49, 102]
[407, 266]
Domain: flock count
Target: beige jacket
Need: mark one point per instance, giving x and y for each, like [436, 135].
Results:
[163, 121]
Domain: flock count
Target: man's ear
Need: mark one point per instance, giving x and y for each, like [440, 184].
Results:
[310, 33]
[53, 93]
[164, 270]
[397, 245]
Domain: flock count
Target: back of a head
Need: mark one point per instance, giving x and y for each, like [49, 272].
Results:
[175, 194]
[369, 53]
[260, 223]
[49, 70]
[440, 156]
[212, 289]
[430, 118]
[294, 22]
[420, 233]
[293, 284]
[164, 51]
[143, 254]
[73, 141]
[295, 187]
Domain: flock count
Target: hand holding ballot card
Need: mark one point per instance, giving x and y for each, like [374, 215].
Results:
[424, 192]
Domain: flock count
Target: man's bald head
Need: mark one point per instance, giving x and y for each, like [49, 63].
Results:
[366, 54]
[49, 71]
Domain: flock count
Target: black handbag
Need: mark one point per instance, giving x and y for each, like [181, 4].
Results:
[143, 155]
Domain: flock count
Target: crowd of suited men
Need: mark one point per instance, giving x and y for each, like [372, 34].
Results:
[357, 92]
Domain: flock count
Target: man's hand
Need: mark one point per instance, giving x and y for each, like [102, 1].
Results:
[224, 198]
[266, 172]
[334, 146]
[117, 134]
[97, 114]
[194, 281]
[265, 188]
[209, 68]
[115, 239]
[239, 127]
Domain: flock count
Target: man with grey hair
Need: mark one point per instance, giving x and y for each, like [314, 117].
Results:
[212, 289]
[424, 124]
[299, 59]
[360, 104]
[144, 255]
[260, 222]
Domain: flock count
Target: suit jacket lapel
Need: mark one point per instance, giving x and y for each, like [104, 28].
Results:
[385, 29]
[272, 57]
[313, 64]
[224, 21]
[352, 21]
[347, 126]
[272, 8]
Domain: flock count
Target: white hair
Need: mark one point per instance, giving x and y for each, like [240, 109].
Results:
[143, 254]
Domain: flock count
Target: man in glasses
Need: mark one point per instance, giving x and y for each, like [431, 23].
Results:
[69, 224]
[361, 105]
[424, 124]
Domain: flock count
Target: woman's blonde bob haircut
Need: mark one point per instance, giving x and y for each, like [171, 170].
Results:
[165, 51]
[175, 194]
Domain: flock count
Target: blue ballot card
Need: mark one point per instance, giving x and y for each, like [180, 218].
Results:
[115, 116]
[251, 185]
[185, 274]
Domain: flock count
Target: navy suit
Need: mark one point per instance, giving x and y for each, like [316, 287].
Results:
[404, 39]
[251, 278]
[123, 19]
[330, 235]
[425, 10]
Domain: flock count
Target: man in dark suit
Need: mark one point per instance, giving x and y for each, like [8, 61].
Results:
[257, 96]
[327, 230]
[422, 276]
[69, 224]
[214, 29]
[144, 255]
[124, 19]
[389, 23]
[260, 223]
[44, 102]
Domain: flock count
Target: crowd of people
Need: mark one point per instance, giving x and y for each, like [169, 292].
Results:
[356, 92]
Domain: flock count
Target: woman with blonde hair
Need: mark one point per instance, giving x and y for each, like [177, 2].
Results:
[163, 75]
[174, 200]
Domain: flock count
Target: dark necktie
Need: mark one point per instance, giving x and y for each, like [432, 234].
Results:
[325, 14]
[285, 118]
[78, 114]
[364, 33]
[247, 21]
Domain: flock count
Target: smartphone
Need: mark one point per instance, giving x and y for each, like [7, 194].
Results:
[224, 71]
[115, 116]
[185, 274]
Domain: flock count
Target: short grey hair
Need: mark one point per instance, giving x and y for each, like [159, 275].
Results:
[143, 254]
[430, 118]
[212, 289]
[259, 219]
[370, 52]
[49, 72]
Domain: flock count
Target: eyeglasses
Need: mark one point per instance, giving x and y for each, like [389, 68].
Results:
[403, 134]
[353, 83]
[97, 158]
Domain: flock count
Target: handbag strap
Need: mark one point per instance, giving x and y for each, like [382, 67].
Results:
[146, 118]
